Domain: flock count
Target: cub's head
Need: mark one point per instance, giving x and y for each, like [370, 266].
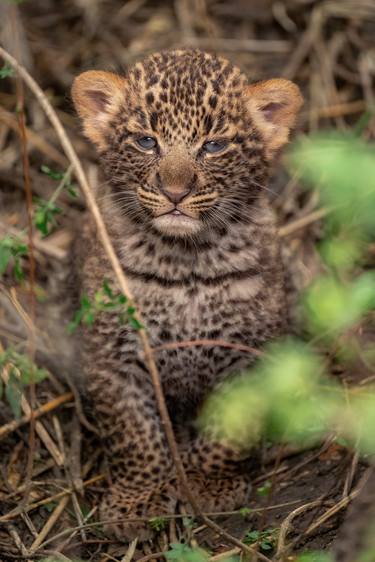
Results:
[185, 141]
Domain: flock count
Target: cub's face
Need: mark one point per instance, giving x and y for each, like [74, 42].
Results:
[184, 140]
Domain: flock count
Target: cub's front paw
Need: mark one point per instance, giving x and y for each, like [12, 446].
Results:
[125, 511]
[219, 494]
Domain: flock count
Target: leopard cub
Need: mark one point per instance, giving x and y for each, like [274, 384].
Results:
[185, 143]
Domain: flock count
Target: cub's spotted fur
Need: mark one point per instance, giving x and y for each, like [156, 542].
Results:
[185, 143]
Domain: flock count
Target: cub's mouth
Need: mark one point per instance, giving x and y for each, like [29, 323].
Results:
[177, 223]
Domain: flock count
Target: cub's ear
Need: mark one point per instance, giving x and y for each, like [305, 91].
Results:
[97, 96]
[273, 105]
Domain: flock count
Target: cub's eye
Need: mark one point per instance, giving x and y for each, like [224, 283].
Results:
[214, 146]
[147, 143]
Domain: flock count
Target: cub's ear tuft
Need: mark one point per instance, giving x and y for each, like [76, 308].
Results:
[97, 97]
[273, 106]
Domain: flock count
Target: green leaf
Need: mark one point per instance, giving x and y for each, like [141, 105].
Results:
[11, 250]
[6, 71]
[13, 393]
[53, 174]
[245, 511]
[107, 289]
[251, 537]
[134, 323]
[158, 523]
[44, 216]
[265, 490]
[5, 257]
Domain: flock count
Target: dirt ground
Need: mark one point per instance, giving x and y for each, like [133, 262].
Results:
[327, 47]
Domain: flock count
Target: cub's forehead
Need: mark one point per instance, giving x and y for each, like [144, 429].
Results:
[188, 93]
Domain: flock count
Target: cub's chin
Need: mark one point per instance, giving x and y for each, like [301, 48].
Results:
[177, 225]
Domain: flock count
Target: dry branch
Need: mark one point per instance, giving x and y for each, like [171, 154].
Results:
[52, 405]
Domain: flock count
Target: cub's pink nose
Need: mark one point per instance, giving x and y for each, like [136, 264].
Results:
[176, 196]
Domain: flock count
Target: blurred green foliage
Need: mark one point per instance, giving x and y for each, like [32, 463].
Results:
[290, 396]
[183, 553]
[315, 557]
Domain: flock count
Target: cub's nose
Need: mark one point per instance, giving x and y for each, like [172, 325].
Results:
[176, 196]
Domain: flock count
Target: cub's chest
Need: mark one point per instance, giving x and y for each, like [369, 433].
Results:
[193, 310]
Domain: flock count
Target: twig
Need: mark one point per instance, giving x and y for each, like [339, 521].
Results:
[337, 110]
[244, 45]
[31, 256]
[297, 224]
[285, 526]
[224, 555]
[13, 514]
[152, 556]
[33, 138]
[124, 287]
[333, 510]
[17, 540]
[39, 428]
[52, 405]
[49, 524]
[211, 343]
[171, 517]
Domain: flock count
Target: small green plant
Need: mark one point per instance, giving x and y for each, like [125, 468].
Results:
[189, 523]
[46, 211]
[12, 249]
[265, 539]
[245, 512]
[105, 300]
[6, 71]
[265, 490]
[64, 178]
[21, 372]
[158, 523]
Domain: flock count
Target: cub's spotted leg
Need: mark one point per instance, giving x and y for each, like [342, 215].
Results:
[216, 474]
[138, 456]
[215, 458]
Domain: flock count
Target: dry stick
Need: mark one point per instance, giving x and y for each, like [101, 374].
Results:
[172, 517]
[218, 343]
[39, 428]
[51, 521]
[123, 284]
[33, 138]
[285, 526]
[52, 405]
[293, 226]
[12, 514]
[333, 510]
[31, 258]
